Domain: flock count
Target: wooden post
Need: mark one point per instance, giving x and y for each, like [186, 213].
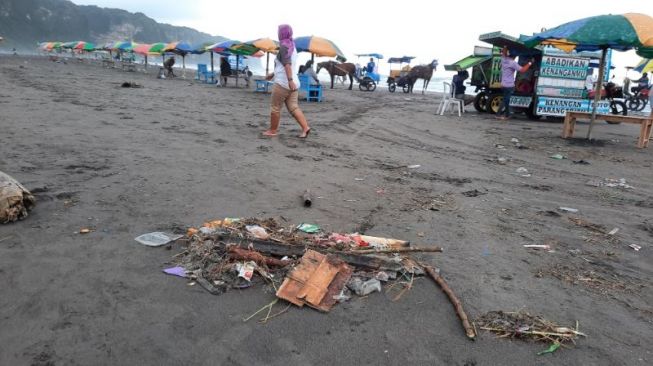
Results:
[598, 89]
[212, 69]
[267, 63]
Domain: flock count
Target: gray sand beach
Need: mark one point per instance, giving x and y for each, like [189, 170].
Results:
[175, 153]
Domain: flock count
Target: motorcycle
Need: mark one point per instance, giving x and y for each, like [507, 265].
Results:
[639, 99]
[614, 94]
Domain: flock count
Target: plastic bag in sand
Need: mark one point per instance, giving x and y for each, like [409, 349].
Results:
[156, 239]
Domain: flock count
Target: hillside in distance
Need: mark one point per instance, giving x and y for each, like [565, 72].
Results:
[24, 23]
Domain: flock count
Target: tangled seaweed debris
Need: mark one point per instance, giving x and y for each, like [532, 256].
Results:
[318, 270]
[522, 325]
[15, 200]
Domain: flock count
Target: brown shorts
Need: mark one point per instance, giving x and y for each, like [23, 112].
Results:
[281, 95]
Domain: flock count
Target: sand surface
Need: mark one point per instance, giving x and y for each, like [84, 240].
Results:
[176, 153]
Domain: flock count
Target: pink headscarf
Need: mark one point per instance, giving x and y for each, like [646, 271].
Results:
[285, 38]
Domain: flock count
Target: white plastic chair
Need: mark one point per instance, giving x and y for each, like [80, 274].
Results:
[448, 101]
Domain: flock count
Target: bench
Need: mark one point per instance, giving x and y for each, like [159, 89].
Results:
[108, 62]
[645, 122]
[314, 93]
[128, 65]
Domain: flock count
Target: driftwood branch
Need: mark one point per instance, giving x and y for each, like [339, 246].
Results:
[251, 255]
[398, 250]
[469, 329]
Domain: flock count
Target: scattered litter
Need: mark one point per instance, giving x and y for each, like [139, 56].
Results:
[514, 140]
[308, 228]
[554, 347]
[175, 271]
[359, 179]
[538, 246]
[342, 296]
[612, 183]
[473, 193]
[128, 84]
[613, 231]
[635, 247]
[414, 166]
[582, 162]
[246, 270]
[85, 230]
[568, 209]
[257, 231]
[523, 172]
[307, 198]
[589, 225]
[156, 239]
[558, 156]
[524, 326]
[15, 200]
[364, 288]
[502, 160]
[500, 147]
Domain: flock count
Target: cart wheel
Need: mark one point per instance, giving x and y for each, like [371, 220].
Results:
[371, 86]
[480, 102]
[406, 88]
[392, 87]
[642, 104]
[362, 86]
[495, 103]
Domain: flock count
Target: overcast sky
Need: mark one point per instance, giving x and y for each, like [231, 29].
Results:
[426, 29]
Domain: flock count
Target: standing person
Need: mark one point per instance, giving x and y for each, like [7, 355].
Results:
[508, 68]
[225, 70]
[285, 89]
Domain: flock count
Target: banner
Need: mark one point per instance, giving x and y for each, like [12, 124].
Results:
[564, 67]
[559, 106]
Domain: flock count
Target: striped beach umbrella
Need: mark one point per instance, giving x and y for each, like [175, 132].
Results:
[319, 46]
[142, 49]
[125, 46]
[618, 32]
[223, 46]
[157, 47]
[645, 65]
[180, 48]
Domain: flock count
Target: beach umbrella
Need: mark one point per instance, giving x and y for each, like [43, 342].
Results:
[319, 46]
[157, 47]
[182, 49]
[223, 46]
[256, 47]
[125, 46]
[143, 49]
[645, 65]
[603, 32]
[69, 45]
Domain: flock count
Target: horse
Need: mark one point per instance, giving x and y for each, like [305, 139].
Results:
[422, 72]
[338, 69]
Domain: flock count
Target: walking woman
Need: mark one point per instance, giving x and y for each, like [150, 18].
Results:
[286, 84]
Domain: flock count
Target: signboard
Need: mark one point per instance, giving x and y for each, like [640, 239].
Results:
[569, 68]
[550, 91]
[520, 101]
[559, 106]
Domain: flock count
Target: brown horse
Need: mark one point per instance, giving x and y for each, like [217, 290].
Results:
[338, 69]
[422, 72]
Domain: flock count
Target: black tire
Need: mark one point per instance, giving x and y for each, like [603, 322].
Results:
[633, 104]
[363, 86]
[530, 112]
[642, 104]
[392, 87]
[495, 103]
[618, 107]
[406, 88]
[371, 86]
[480, 102]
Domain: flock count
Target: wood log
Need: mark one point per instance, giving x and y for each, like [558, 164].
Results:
[251, 255]
[469, 329]
[365, 250]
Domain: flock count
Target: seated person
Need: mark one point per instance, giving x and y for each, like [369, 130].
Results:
[225, 70]
[308, 71]
[168, 64]
[642, 83]
[370, 66]
[458, 83]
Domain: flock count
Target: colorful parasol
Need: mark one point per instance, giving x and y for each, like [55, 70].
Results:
[603, 32]
[179, 48]
[85, 46]
[223, 47]
[320, 47]
[70, 45]
[645, 65]
[157, 47]
[125, 46]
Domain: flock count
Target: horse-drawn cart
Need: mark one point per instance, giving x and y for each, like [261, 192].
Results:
[399, 76]
[367, 80]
